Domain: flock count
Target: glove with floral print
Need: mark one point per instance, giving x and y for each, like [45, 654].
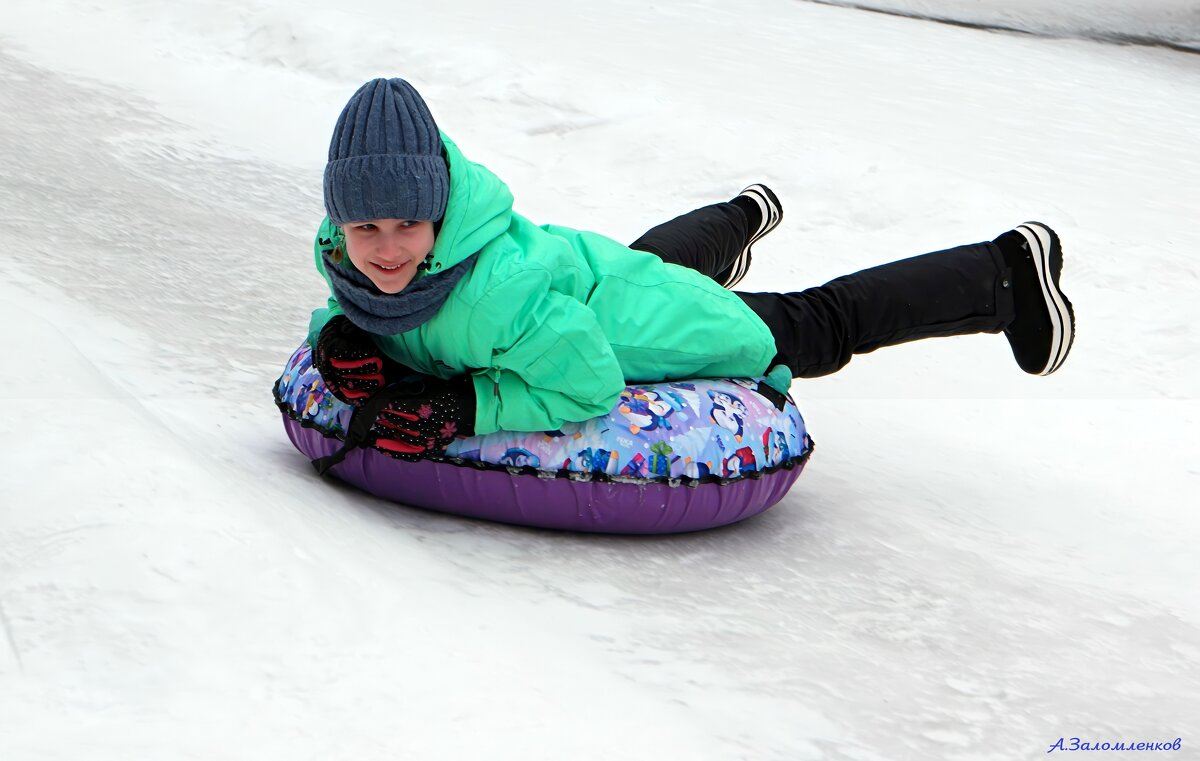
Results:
[424, 415]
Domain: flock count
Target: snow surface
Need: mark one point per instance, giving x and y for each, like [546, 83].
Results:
[975, 564]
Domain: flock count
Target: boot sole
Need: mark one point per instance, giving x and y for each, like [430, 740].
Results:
[1048, 259]
[772, 214]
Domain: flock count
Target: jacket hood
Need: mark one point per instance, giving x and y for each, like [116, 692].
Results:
[479, 209]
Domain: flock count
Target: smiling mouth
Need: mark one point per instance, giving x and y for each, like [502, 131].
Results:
[393, 268]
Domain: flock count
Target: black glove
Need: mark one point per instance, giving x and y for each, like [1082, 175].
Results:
[425, 415]
[349, 362]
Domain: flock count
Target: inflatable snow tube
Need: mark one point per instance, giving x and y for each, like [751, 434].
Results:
[670, 457]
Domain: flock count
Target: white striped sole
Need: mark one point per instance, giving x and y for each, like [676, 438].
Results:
[1047, 257]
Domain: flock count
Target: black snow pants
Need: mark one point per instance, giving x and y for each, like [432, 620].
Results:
[957, 291]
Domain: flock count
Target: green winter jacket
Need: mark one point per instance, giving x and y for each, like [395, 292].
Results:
[552, 322]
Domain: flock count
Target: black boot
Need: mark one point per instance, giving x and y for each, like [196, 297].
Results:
[763, 214]
[1043, 326]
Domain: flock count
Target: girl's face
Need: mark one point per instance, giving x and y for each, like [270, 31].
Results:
[388, 250]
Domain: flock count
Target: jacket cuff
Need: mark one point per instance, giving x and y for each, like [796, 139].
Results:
[780, 378]
[318, 320]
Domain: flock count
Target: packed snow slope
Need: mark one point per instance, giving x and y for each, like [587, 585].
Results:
[975, 564]
[1169, 23]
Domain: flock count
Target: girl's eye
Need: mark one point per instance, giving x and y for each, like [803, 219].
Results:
[366, 228]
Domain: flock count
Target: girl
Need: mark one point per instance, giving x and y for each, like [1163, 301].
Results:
[524, 327]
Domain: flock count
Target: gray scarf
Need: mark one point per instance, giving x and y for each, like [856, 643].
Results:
[388, 314]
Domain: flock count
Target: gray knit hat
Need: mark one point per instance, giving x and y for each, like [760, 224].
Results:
[385, 159]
